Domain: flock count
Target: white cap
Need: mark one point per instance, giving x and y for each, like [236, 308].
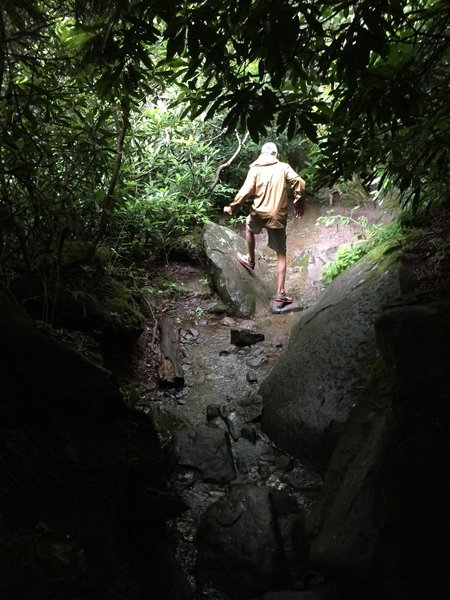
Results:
[269, 148]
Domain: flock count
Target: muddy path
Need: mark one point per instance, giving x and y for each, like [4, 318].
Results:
[220, 377]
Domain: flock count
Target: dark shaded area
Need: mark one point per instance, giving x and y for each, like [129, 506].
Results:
[381, 524]
[84, 496]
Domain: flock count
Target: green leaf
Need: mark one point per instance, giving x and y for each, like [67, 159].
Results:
[307, 127]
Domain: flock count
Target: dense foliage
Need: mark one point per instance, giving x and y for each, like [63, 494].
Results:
[365, 81]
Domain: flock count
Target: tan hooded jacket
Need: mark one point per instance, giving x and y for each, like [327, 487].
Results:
[266, 183]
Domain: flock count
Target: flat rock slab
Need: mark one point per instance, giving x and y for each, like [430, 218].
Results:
[278, 308]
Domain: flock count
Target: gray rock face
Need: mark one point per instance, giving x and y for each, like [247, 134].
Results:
[382, 522]
[247, 293]
[310, 392]
[206, 451]
[245, 541]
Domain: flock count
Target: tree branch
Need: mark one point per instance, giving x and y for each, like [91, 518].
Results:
[230, 160]
[109, 200]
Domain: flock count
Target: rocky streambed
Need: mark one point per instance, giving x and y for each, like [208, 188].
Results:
[242, 533]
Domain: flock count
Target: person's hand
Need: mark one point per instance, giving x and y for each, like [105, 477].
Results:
[297, 212]
[227, 210]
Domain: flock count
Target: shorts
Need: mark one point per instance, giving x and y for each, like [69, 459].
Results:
[277, 237]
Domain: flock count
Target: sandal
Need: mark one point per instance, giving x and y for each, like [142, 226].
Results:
[244, 259]
[283, 298]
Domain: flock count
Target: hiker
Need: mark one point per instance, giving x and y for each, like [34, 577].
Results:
[266, 183]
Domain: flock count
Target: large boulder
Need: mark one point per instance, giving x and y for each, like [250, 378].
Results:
[247, 293]
[250, 541]
[381, 524]
[310, 392]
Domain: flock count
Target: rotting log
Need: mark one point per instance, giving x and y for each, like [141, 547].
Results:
[170, 372]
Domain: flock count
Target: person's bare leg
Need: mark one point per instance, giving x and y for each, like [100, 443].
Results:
[281, 268]
[250, 239]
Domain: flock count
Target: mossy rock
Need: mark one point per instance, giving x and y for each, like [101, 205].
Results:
[85, 300]
[188, 247]
[108, 306]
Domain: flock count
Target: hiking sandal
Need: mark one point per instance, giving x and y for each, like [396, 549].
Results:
[244, 259]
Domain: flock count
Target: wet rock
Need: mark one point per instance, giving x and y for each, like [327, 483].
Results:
[245, 337]
[252, 540]
[240, 549]
[252, 377]
[166, 421]
[310, 392]
[278, 308]
[213, 411]
[295, 543]
[207, 451]
[257, 361]
[284, 463]
[381, 521]
[250, 408]
[228, 321]
[249, 433]
[301, 478]
[245, 292]
[242, 466]
[190, 334]
[218, 308]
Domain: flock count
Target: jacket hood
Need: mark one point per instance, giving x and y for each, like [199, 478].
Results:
[264, 160]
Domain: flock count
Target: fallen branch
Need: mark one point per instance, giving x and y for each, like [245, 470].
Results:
[170, 371]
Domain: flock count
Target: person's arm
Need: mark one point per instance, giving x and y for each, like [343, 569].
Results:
[248, 189]
[298, 187]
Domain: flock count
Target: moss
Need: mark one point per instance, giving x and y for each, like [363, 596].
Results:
[220, 308]
[75, 251]
[384, 247]
[94, 302]
[391, 244]
[103, 255]
[122, 307]
[187, 247]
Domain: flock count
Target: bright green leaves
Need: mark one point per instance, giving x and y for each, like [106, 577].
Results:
[167, 175]
[367, 81]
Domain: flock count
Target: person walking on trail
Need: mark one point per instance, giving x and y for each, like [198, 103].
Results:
[266, 183]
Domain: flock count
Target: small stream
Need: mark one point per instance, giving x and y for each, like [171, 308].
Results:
[219, 374]
[216, 371]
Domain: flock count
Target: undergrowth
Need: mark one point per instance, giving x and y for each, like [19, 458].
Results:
[379, 240]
